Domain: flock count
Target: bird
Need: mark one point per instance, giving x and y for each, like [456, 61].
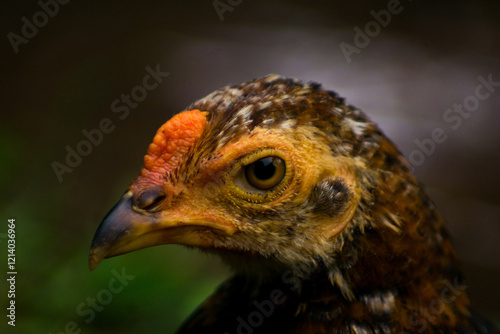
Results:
[315, 210]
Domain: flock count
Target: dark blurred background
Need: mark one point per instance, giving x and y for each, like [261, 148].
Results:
[86, 54]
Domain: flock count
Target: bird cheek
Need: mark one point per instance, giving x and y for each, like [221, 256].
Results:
[331, 227]
[334, 200]
[330, 197]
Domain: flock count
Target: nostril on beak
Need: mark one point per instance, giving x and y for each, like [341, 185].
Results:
[150, 200]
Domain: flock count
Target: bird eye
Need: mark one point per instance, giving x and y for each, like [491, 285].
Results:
[265, 173]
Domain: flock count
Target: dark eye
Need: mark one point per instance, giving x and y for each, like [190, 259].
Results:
[265, 173]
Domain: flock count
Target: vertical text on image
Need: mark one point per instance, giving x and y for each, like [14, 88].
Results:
[11, 271]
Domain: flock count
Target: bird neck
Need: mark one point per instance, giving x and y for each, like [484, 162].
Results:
[410, 278]
[400, 264]
[384, 290]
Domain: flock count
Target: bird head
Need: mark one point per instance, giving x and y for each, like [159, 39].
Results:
[282, 173]
[276, 175]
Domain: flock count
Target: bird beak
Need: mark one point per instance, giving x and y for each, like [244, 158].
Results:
[125, 230]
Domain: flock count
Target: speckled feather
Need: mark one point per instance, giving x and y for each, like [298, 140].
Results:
[345, 240]
[392, 260]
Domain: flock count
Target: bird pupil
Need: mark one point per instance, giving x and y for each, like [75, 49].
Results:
[265, 168]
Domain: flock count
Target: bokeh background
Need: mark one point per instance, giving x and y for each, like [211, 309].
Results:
[63, 81]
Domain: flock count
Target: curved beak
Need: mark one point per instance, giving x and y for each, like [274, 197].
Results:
[125, 230]
[117, 231]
